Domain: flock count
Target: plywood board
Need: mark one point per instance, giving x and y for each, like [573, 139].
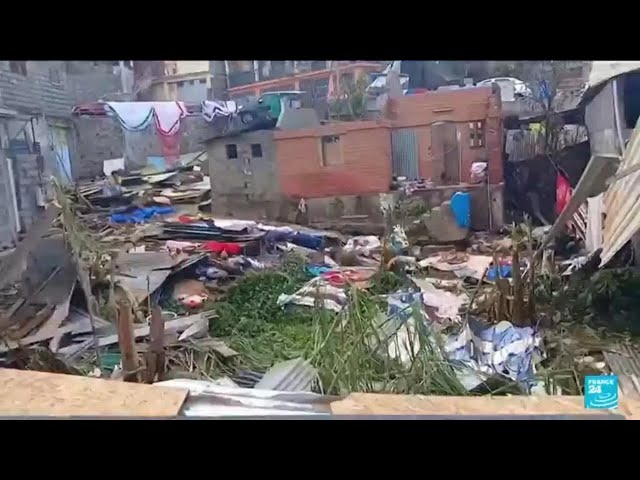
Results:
[50, 394]
[387, 404]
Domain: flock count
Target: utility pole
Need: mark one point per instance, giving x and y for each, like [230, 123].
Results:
[218, 73]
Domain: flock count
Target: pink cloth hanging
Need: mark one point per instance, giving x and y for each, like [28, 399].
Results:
[168, 116]
[171, 147]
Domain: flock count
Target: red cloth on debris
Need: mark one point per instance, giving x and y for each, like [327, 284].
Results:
[170, 146]
[187, 219]
[563, 192]
[219, 247]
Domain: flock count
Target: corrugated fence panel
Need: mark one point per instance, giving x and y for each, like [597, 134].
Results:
[404, 145]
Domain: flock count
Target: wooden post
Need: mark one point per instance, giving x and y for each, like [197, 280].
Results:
[155, 357]
[126, 341]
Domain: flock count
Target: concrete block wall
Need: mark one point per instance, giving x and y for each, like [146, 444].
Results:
[252, 177]
[102, 138]
[35, 93]
[366, 155]
[97, 139]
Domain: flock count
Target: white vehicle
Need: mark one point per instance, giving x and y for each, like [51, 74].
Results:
[520, 88]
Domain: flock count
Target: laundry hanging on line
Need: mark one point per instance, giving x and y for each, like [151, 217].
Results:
[133, 116]
[212, 109]
[136, 116]
[168, 116]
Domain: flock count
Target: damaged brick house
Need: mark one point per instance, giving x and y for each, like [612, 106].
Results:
[36, 136]
[434, 135]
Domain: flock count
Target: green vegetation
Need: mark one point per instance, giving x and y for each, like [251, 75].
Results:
[348, 349]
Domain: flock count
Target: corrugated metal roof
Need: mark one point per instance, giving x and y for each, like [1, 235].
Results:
[625, 362]
[206, 399]
[602, 71]
[621, 202]
[295, 375]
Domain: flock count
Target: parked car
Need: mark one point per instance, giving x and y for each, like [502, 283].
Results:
[520, 88]
[266, 110]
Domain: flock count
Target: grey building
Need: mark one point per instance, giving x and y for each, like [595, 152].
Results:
[36, 136]
[242, 169]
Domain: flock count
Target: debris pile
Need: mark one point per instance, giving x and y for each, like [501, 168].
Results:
[135, 281]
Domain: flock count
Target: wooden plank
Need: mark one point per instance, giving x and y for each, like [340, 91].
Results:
[155, 356]
[387, 404]
[49, 394]
[127, 343]
[177, 325]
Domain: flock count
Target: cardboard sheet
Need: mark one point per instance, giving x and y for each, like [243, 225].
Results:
[51, 394]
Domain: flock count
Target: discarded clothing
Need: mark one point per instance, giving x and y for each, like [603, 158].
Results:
[461, 208]
[219, 247]
[478, 172]
[363, 245]
[317, 270]
[141, 214]
[301, 239]
[308, 241]
[210, 273]
[212, 109]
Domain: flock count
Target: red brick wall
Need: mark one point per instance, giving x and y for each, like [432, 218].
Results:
[366, 167]
[460, 107]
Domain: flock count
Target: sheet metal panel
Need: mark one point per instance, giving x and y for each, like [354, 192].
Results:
[622, 202]
[404, 145]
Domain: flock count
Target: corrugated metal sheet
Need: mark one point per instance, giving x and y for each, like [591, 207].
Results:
[602, 71]
[295, 375]
[525, 144]
[404, 145]
[625, 362]
[206, 399]
[622, 202]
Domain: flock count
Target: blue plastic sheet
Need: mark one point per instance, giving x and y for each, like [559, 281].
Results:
[505, 272]
[140, 215]
[313, 242]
